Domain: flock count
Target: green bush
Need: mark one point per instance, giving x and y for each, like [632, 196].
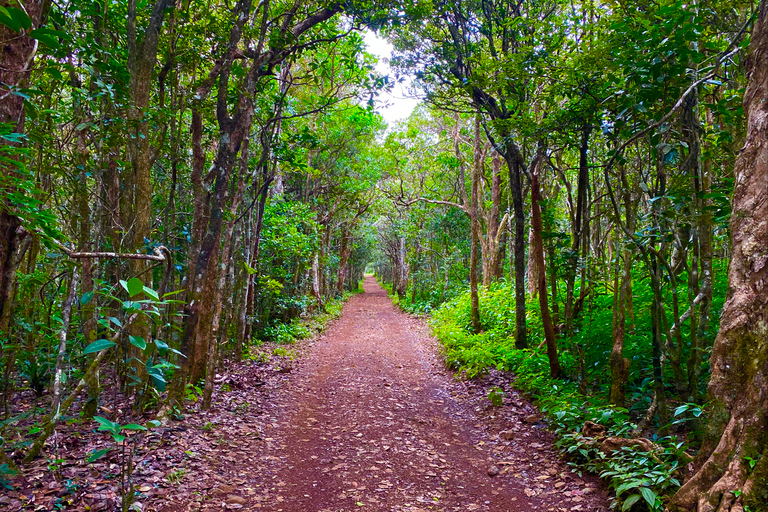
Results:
[640, 480]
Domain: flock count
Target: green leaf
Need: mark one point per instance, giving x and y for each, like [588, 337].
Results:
[153, 423]
[649, 496]
[138, 342]
[133, 426]
[115, 321]
[48, 37]
[98, 346]
[629, 502]
[151, 293]
[106, 425]
[627, 485]
[86, 298]
[14, 18]
[134, 286]
[96, 455]
[131, 305]
[83, 126]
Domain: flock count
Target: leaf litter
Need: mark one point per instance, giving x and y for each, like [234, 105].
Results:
[367, 418]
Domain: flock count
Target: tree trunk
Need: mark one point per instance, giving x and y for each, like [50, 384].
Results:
[514, 163]
[618, 363]
[474, 219]
[17, 53]
[579, 228]
[344, 252]
[492, 241]
[734, 456]
[541, 274]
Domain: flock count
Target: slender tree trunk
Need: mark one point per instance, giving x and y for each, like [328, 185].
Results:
[737, 432]
[538, 250]
[619, 364]
[581, 220]
[514, 162]
[344, 251]
[66, 314]
[474, 220]
[221, 276]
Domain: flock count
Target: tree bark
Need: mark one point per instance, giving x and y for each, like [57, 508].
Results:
[474, 219]
[538, 254]
[619, 365]
[16, 55]
[515, 164]
[737, 432]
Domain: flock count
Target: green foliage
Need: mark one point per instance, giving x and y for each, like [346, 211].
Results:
[496, 396]
[286, 333]
[633, 475]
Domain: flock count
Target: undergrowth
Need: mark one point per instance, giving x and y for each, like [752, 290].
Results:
[303, 328]
[640, 480]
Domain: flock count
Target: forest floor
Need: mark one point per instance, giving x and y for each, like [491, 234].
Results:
[366, 418]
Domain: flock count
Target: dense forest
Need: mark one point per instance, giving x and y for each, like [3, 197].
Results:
[581, 198]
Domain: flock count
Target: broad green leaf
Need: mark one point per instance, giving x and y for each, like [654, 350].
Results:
[629, 502]
[626, 486]
[133, 426]
[138, 342]
[96, 455]
[106, 425]
[48, 36]
[649, 496]
[134, 286]
[14, 18]
[131, 305]
[98, 346]
[151, 293]
[86, 298]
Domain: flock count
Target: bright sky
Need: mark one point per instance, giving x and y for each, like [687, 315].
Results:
[396, 106]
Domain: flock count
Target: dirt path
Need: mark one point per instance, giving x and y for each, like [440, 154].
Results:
[369, 420]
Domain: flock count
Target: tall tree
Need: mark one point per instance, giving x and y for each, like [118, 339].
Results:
[734, 457]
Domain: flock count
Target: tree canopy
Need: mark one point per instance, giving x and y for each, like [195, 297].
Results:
[579, 198]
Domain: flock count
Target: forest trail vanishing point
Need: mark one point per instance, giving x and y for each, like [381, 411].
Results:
[369, 420]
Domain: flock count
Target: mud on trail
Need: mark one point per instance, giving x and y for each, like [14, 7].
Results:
[368, 419]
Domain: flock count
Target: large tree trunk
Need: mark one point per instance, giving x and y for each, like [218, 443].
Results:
[734, 456]
[16, 55]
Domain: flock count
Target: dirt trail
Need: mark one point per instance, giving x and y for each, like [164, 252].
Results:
[368, 419]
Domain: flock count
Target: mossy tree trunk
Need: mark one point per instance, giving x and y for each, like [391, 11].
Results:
[733, 462]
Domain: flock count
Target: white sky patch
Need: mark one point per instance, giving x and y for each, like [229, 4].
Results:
[397, 105]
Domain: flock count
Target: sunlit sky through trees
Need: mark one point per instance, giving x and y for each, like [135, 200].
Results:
[398, 104]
